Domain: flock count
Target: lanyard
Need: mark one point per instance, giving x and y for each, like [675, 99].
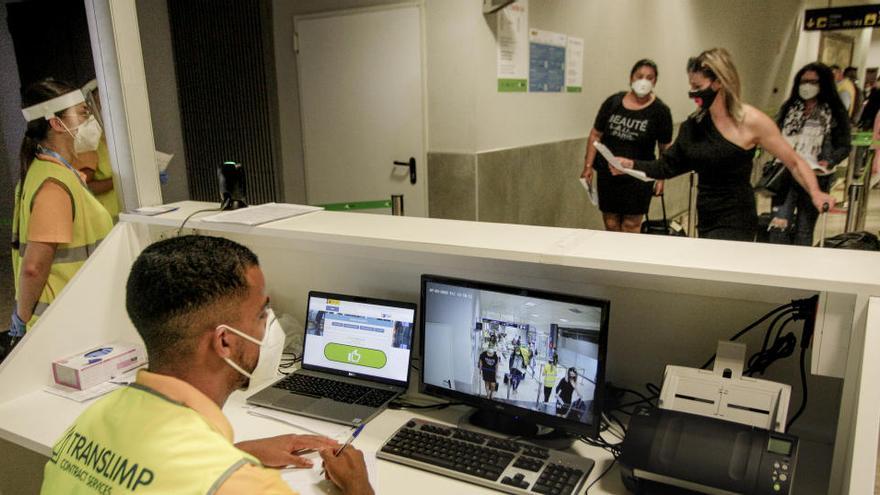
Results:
[54, 154]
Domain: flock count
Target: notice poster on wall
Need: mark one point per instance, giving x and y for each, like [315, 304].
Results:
[513, 47]
[546, 61]
[574, 65]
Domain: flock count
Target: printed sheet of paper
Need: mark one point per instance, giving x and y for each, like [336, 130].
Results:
[257, 215]
[612, 160]
[311, 482]
[574, 65]
[546, 61]
[592, 193]
[513, 47]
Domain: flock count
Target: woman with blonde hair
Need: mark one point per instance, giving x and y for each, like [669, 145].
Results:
[718, 141]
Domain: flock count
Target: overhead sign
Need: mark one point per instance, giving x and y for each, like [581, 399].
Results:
[856, 17]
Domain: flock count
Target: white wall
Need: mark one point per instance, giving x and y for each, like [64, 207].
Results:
[467, 113]
[873, 59]
[162, 86]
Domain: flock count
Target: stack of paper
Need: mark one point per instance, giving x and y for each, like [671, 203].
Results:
[592, 193]
[257, 215]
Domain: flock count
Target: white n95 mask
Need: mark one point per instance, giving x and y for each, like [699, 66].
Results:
[247, 337]
[271, 348]
[87, 136]
[642, 87]
[808, 91]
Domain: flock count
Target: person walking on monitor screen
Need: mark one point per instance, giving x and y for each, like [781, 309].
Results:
[548, 373]
[488, 367]
[565, 392]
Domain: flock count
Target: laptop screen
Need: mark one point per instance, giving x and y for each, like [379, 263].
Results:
[359, 337]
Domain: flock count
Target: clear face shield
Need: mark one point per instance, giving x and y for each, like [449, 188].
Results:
[92, 100]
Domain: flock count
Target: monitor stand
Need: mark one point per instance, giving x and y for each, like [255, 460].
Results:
[513, 426]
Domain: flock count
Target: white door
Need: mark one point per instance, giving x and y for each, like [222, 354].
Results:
[361, 97]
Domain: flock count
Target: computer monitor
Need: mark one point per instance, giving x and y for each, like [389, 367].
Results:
[359, 337]
[522, 357]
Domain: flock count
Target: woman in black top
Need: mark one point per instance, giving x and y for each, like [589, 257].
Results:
[718, 141]
[567, 386]
[630, 124]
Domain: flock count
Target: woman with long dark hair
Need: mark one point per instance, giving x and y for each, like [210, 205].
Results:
[814, 122]
[718, 141]
[57, 222]
[632, 124]
[565, 392]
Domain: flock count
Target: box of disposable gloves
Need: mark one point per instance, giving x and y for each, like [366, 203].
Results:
[98, 364]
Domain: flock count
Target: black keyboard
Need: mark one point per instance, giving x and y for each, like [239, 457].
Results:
[504, 465]
[348, 393]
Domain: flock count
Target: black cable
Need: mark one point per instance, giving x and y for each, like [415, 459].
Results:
[180, 229]
[785, 307]
[772, 325]
[803, 405]
[400, 404]
[782, 347]
[601, 475]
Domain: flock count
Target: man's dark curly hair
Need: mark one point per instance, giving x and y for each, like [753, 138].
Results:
[179, 287]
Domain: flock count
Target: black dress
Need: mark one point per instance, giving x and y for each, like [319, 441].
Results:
[631, 134]
[725, 201]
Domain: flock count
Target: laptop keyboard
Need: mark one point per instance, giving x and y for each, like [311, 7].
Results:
[331, 389]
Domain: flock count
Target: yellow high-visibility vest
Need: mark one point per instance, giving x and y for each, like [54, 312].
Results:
[109, 199]
[91, 224]
[550, 375]
[138, 441]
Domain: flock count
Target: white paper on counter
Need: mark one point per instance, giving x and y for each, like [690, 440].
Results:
[309, 481]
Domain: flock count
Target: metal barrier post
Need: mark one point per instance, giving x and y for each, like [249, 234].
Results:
[397, 205]
[866, 190]
[854, 200]
[692, 206]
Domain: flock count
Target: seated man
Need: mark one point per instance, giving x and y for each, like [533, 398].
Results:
[199, 303]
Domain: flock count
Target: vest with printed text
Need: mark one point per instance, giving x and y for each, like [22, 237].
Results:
[137, 441]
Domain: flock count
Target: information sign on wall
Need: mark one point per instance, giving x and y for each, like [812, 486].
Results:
[574, 65]
[856, 17]
[513, 47]
[546, 61]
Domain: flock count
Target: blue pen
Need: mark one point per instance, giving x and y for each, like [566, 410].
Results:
[354, 435]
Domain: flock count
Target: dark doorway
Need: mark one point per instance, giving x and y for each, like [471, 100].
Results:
[51, 39]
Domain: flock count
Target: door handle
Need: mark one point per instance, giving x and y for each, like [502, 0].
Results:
[412, 168]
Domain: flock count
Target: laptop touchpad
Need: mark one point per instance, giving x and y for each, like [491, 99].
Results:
[294, 402]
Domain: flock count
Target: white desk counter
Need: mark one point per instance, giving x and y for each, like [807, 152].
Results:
[662, 290]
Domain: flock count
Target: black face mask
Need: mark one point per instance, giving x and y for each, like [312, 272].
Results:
[703, 97]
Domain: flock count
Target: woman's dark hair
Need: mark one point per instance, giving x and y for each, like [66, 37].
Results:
[697, 65]
[572, 370]
[827, 93]
[645, 62]
[38, 130]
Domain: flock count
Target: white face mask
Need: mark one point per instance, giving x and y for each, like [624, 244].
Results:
[87, 136]
[808, 91]
[247, 337]
[642, 87]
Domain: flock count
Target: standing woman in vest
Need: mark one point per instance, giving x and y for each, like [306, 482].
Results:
[631, 124]
[57, 222]
[96, 164]
[718, 141]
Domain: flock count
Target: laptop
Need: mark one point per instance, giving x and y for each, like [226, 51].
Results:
[356, 356]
